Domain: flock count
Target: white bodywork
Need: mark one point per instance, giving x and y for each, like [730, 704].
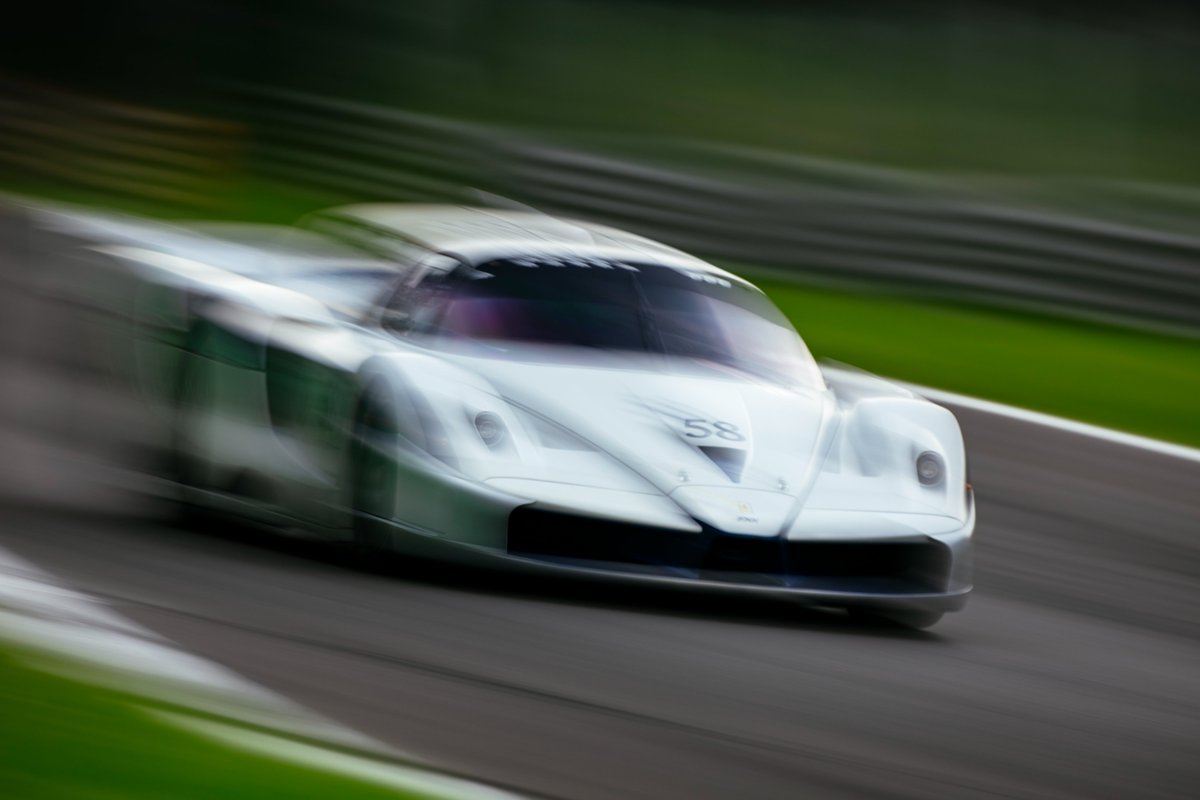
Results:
[262, 363]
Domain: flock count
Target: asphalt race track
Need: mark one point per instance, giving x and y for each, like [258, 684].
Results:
[1073, 672]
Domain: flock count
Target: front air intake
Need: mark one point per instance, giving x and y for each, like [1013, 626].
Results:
[542, 533]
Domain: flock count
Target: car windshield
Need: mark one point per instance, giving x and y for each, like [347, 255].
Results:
[617, 306]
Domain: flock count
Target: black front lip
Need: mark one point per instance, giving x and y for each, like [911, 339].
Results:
[429, 545]
[917, 566]
[607, 573]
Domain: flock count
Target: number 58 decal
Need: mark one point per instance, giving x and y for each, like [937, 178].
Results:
[703, 428]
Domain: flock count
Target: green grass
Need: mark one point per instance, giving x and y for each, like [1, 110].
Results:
[62, 739]
[1139, 382]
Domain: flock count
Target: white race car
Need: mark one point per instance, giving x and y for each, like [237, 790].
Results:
[500, 384]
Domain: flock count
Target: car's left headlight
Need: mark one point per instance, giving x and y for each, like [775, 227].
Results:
[931, 470]
[491, 428]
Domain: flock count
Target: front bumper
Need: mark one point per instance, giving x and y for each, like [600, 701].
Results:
[919, 572]
[897, 568]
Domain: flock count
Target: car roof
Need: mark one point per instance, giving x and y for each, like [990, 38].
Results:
[458, 229]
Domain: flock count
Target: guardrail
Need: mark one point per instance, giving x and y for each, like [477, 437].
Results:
[795, 217]
[791, 217]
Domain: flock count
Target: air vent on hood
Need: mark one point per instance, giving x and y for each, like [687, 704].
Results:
[731, 460]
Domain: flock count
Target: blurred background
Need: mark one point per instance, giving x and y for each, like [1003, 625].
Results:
[1026, 164]
[995, 198]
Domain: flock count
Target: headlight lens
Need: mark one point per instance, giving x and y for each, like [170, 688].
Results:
[930, 470]
[490, 428]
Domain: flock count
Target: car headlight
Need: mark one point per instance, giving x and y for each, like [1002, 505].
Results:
[930, 469]
[490, 428]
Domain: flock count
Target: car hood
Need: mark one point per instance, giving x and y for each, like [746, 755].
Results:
[734, 452]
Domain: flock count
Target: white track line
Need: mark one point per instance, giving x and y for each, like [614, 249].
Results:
[79, 637]
[321, 758]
